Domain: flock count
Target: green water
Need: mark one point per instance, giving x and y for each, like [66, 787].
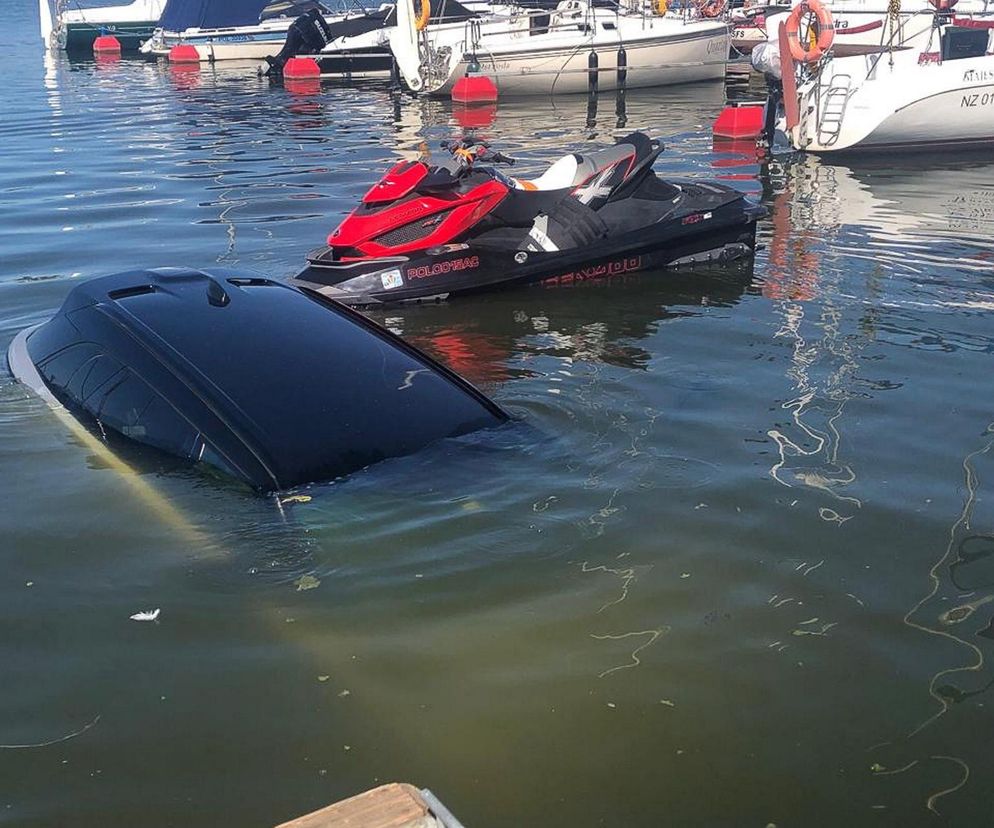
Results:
[730, 566]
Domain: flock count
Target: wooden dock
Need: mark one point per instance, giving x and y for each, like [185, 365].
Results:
[396, 805]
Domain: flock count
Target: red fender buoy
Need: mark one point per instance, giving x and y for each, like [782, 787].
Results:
[474, 89]
[184, 53]
[106, 44]
[736, 122]
[301, 67]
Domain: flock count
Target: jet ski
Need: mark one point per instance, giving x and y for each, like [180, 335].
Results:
[269, 384]
[428, 232]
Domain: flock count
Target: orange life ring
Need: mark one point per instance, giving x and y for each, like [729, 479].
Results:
[421, 21]
[824, 25]
[713, 8]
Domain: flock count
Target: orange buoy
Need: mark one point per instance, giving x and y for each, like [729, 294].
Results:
[184, 53]
[106, 44]
[301, 67]
[824, 26]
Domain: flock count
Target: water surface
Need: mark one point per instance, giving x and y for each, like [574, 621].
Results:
[731, 566]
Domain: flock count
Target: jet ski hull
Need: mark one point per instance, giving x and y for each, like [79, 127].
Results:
[697, 234]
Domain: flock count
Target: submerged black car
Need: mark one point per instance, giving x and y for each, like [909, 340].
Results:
[274, 385]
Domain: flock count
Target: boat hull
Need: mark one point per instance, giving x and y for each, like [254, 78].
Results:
[907, 106]
[79, 37]
[369, 57]
[221, 45]
[953, 118]
[692, 56]
[374, 62]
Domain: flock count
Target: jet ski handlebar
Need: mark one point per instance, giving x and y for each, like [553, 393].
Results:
[469, 152]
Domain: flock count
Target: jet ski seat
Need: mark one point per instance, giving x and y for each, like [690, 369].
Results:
[601, 159]
[558, 177]
[573, 170]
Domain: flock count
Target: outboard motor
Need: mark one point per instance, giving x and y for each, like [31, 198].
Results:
[307, 35]
[765, 58]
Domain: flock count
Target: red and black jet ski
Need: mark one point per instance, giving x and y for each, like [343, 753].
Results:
[429, 232]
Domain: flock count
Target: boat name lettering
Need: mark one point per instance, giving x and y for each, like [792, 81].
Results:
[427, 271]
[614, 268]
[978, 75]
[986, 99]
[717, 46]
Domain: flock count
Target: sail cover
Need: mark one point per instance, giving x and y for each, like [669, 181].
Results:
[215, 14]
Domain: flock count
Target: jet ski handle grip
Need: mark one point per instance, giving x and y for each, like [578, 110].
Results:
[500, 158]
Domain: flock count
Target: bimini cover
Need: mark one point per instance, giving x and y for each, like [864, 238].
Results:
[273, 385]
[179, 15]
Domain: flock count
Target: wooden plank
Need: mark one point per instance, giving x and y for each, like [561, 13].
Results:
[395, 805]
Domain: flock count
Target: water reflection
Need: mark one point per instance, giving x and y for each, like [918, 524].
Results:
[910, 215]
[596, 322]
[956, 609]
[859, 256]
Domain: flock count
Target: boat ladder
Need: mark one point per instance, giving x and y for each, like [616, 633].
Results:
[833, 109]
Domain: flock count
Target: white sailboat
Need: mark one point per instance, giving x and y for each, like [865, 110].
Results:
[576, 47]
[939, 92]
[75, 28]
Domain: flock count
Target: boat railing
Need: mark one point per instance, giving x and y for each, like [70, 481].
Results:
[583, 17]
[896, 40]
